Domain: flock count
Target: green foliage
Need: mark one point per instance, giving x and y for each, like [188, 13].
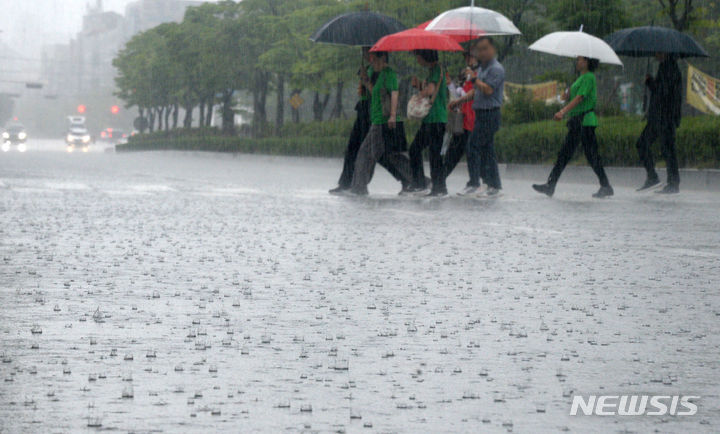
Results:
[521, 108]
[599, 17]
[530, 143]
[698, 141]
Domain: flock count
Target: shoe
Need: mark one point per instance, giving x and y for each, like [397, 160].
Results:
[421, 191]
[439, 193]
[469, 191]
[649, 183]
[356, 193]
[547, 189]
[604, 192]
[492, 191]
[669, 189]
[406, 191]
[338, 190]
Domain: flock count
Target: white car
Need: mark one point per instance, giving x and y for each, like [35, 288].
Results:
[78, 138]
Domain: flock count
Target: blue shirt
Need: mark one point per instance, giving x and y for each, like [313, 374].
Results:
[492, 74]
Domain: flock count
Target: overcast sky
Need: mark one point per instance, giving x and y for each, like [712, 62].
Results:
[27, 24]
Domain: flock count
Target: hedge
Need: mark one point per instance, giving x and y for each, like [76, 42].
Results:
[531, 143]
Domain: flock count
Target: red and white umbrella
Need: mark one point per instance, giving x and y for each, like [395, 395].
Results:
[416, 39]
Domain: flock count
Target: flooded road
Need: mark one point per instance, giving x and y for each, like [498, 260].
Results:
[183, 292]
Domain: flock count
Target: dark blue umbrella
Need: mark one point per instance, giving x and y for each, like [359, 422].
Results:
[357, 28]
[648, 40]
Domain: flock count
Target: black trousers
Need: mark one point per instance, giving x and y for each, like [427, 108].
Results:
[357, 135]
[455, 151]
[576, 134]
[428, 136]
[653, 131]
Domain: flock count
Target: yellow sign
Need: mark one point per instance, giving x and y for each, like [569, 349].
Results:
[541, 92]
[296, 101]
[703, 91]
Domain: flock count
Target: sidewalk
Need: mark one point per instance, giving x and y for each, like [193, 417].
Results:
[690, 179]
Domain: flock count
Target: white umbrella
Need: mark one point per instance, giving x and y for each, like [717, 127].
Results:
[575, 44]
[472, 22]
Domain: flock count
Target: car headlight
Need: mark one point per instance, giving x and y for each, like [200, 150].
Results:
[6, 146]
[85, 139]
[22, 135]
[69, 138]
[6, 135]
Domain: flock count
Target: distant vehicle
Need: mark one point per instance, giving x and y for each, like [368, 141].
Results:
[78, 137]
[15, 136]
[113, 135]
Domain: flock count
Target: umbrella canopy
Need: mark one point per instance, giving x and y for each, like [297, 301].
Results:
[459, 38]
[416, 39]
[357, 29]
[574, 44]
[472, 22]
[648, 40]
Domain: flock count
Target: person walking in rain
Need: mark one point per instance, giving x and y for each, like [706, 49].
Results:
[381, 141]
[663, 120]
[581, 128]
[487, 97]
[458, 143]
[432, 129]
[360, 129]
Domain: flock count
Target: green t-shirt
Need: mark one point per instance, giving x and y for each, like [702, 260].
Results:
[365, 94]
[386, 80]
[585, 86]
[438, 113]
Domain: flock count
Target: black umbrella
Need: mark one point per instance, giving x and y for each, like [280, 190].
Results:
[648, 40]
[357, 28]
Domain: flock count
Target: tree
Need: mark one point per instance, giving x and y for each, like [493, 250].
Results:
[681, 13]
[598, 17]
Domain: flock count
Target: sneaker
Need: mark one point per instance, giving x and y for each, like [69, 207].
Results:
[356, 193]
[439, 193]
[669, 189]
[546, 189]
[338, 190]
[421, 191]
[604, 192]
[649, 183]
[469, 191]
[406, 191]
[492, 191]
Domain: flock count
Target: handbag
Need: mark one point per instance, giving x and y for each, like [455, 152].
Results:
[419, 106]
[456, 122]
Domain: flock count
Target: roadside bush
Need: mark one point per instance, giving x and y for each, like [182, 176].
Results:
[528, 143]
[698, 141]
[521, 108]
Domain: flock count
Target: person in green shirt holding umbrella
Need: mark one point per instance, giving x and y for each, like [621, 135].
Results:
[381, 142]
[581, 129]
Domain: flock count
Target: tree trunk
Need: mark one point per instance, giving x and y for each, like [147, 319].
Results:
[337, 112]
[151, 120]
[259, 103]
[201, 121]
[168, 112]
[209, 113]
[280, 110]
[160, 111]
[187, 122]
[319, 106]
[143, 124]
[176, 114]
[228, 114]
